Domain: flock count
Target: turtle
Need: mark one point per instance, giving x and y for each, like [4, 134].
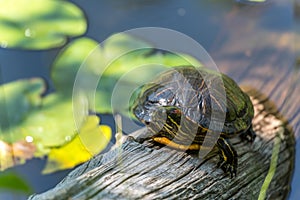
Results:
[186, 105]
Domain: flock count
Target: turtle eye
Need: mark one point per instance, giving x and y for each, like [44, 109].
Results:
[152, 103]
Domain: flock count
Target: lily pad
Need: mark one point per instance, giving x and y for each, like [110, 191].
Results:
[12, 181]
[100, 68]
[17, 99]
[24, 113]
[70, 59]
[129, 72]
[39, 24]
[55, 133]
[34, 125]
[90, 140]
[51, 125]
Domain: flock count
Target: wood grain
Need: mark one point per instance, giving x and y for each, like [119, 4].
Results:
[137, 171]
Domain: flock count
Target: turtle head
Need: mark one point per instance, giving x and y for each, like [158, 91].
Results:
[154, 106]
[156, 117]
[151, 102]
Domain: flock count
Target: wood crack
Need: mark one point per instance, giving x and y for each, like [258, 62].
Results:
[134, 171]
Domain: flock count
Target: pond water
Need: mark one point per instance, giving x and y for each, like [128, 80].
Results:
[255, 44]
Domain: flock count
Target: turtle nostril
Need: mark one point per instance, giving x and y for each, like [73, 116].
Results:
[146, 119]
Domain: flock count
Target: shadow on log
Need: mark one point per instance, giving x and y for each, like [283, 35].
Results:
[135, 171]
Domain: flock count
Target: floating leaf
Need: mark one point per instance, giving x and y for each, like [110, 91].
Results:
[100, 68]
[91, 140]
[129, 64]
[12, 181]
[129, 72]
[39, 24]
[70, 60]
[123, 52]
[52, 124]
[24, 113]
[17, 99]
[120, 44]
[34, 125]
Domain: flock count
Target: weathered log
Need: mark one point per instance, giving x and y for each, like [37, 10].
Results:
[136, 171]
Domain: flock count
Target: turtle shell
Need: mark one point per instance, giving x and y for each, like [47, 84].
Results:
[207, 98]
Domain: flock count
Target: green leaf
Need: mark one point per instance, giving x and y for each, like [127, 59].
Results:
[52, 124]
[39, 24]
[12, 181]
[129, 72]
[97, 69]
[70, 59]
[120, 44]
[91, 140]
[17, 99]
[36, 125]
[133, 64]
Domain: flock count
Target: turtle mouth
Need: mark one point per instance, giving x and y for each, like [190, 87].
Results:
[142, 115]
[155, 116]
[145, 122]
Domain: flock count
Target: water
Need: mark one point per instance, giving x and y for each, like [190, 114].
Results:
[249, 42]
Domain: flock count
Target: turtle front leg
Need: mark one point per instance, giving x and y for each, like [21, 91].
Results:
[248, 135]
[228, 156]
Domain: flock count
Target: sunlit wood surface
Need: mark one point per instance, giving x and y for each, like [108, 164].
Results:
[135, 171]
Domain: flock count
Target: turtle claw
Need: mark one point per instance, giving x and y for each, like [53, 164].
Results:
[227, 167]
[249, 135]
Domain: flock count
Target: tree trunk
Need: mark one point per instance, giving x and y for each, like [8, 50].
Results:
[137, 171]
